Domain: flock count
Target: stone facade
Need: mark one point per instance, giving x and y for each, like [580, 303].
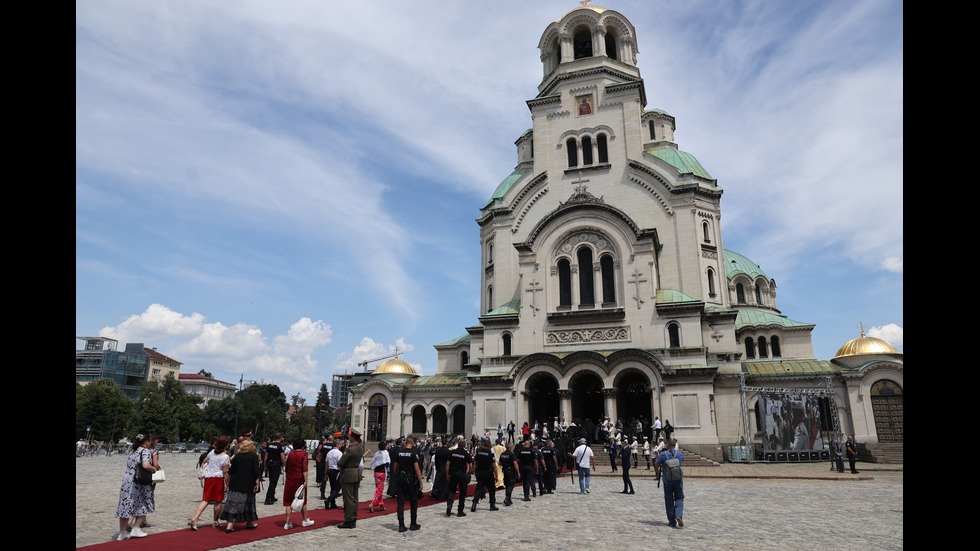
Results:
[606, 290]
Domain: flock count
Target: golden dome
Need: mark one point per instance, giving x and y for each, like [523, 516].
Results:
[866, 345]
[395, 366]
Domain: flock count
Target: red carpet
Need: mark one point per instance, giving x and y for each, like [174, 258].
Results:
[269, 527]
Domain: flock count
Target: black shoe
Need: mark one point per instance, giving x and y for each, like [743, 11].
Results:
[527, 499]
[267, 502]
[624, 492]
[460, 514]
[494, 508]
[508, 502]
[449, 513]
[351, 524]
[414, 526]
[401, 527]
[632, 492]
[473, 508]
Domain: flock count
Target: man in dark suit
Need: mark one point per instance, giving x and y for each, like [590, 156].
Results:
[350, 478]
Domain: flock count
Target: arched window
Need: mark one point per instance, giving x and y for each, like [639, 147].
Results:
[564, 283]
[674, 335]
[608, 280]
[711, 282]
[740, 293]
[653, 133]
[586, 291]
[572, 149]
[603, 148]
[611, 50]
[749, 348]
[489, 253]
[707, 233]
[507, 347]
[763, 350]
[586, 151]
[582, 43]
[774, 345]
[758, 295]
[489, 298]
[464, 358]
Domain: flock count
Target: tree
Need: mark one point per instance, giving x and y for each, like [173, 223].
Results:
[205, 373]
[166, 409]
[261, 408]
[322, 410]
[102, 405]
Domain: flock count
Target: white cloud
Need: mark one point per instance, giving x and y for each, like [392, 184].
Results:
[893, 264]
[891, 332]
[236, 348]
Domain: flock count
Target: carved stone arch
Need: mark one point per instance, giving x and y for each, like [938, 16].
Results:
[531, 360]
[570, 210]
[618, 358]
[589, 19]
[576, 360]
[595, 238]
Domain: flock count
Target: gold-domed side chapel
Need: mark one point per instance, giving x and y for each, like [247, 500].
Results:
[606, 290]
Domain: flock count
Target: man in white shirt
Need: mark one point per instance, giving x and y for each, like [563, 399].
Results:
[657, 427]
[333, 475]
[585, 460]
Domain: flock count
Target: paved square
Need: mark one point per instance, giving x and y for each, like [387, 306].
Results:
[719, 513]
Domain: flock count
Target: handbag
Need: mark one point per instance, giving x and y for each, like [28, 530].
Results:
[299, 499]
[143, 476]
[159, 476]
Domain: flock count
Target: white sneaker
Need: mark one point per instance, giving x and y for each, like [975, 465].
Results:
[287, 526]
[137, 533]
[308, 522]
[123, 535]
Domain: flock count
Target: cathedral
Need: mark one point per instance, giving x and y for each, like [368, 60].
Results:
[606, 290]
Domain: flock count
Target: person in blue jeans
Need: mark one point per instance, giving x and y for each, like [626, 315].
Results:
[673, 491]
[584, 460]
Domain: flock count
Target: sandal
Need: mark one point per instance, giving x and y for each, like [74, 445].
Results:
[370, 509]
[193, 524]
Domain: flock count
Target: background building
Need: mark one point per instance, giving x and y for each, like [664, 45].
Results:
[161, 366]
[101, 359]
[206, 387]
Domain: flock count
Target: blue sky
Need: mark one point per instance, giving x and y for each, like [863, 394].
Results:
[284, 191]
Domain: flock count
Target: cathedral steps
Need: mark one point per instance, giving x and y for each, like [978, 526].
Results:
[690, 459]
[889, 453]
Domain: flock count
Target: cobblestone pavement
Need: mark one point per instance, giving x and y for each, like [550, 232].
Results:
[735, 506]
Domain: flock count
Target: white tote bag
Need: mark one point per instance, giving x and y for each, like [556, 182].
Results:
[299, 499]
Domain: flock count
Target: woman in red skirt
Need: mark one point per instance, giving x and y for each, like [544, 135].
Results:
[297, 468]
[214, 481]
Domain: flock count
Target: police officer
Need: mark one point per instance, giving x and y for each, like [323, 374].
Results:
[458, 469]
[483, 461]
[539, 470]
[508, 464]
[528, 463]
[550, 467]
[275, 459]
[406, 470]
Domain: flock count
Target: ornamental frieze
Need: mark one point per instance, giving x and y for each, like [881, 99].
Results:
[574, 336]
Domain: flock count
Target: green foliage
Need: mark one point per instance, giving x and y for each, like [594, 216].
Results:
[261, 408]
[166, 409]
[102, 405]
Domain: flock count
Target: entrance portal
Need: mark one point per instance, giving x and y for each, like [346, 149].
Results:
[887, 405]
[439, 425]
[633, 400]
[587, 400]
[459, 420]
[378, 414]
[542, 399]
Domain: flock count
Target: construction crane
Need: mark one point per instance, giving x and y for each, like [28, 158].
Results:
[365, 363]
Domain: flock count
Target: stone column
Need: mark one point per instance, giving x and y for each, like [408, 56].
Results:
[610, 398]
[565, 404]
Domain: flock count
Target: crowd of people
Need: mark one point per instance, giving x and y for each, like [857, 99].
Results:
[232, 472]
